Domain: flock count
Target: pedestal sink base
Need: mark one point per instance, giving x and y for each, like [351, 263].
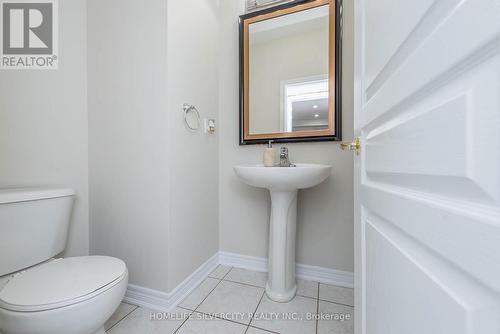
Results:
[281, 286]
[280, 297]
[283, 183]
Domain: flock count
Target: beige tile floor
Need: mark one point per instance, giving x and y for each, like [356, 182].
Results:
[232, 300]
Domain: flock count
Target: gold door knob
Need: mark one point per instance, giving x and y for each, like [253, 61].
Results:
[354, 146]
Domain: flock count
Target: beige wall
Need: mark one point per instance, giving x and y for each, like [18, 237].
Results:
[271, 62]
[129, 150]
[43, 123]
[153, 184]
[192, 78]
[325, 230]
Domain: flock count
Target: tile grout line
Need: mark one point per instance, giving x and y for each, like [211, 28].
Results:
[306, 296]
[317, 311]
[328, 301]
[262, 287]
[192, 311]
[257, 327]
[255, 311]
[220, 281]
[231, 268]
[135, 308]
[185, 308]
[224, 280]
[264, 330]
[185, 320]
[255, 286]
[219, 278]
[215, 287]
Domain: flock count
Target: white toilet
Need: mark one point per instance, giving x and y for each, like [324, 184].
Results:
[41, 294]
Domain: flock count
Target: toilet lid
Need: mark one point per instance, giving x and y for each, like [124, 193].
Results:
[60, 282]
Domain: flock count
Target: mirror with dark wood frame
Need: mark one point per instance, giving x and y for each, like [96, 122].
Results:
[290, 73]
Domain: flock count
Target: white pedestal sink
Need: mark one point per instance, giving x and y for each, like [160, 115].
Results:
[283, 184]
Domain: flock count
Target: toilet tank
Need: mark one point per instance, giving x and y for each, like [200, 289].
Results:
[33, 226]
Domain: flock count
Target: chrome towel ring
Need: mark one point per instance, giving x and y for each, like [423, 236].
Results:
[192, 124]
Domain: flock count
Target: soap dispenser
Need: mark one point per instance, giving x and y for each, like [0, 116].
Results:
[269, 155]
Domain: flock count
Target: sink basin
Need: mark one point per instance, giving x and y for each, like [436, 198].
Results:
[283, 184]
[283, 178]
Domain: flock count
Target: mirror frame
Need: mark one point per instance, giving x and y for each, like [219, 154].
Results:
[333, 133]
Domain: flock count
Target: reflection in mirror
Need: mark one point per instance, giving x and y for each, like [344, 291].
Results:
[288, 63]
[305, 104]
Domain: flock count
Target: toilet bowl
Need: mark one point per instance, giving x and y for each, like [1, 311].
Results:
[43, 295]
[73, 295]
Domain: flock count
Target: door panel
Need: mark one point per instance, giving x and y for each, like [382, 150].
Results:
[379, 23]
[465, 236]
[433, 297]
[428, 185]
[453, 129]
[436, 51]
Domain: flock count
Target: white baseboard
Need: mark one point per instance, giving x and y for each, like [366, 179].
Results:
[243, 261]
[326, 275]
[165, 302]
[304, 271]
[148, 298]
[162, 301]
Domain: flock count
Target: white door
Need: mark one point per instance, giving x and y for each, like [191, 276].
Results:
[427, 111]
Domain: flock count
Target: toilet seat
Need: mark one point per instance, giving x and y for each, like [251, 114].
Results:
[61, 283]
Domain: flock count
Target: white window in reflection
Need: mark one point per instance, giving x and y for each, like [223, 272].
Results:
[304, 104]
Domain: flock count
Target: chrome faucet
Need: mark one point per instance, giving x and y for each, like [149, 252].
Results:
[284, 160]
